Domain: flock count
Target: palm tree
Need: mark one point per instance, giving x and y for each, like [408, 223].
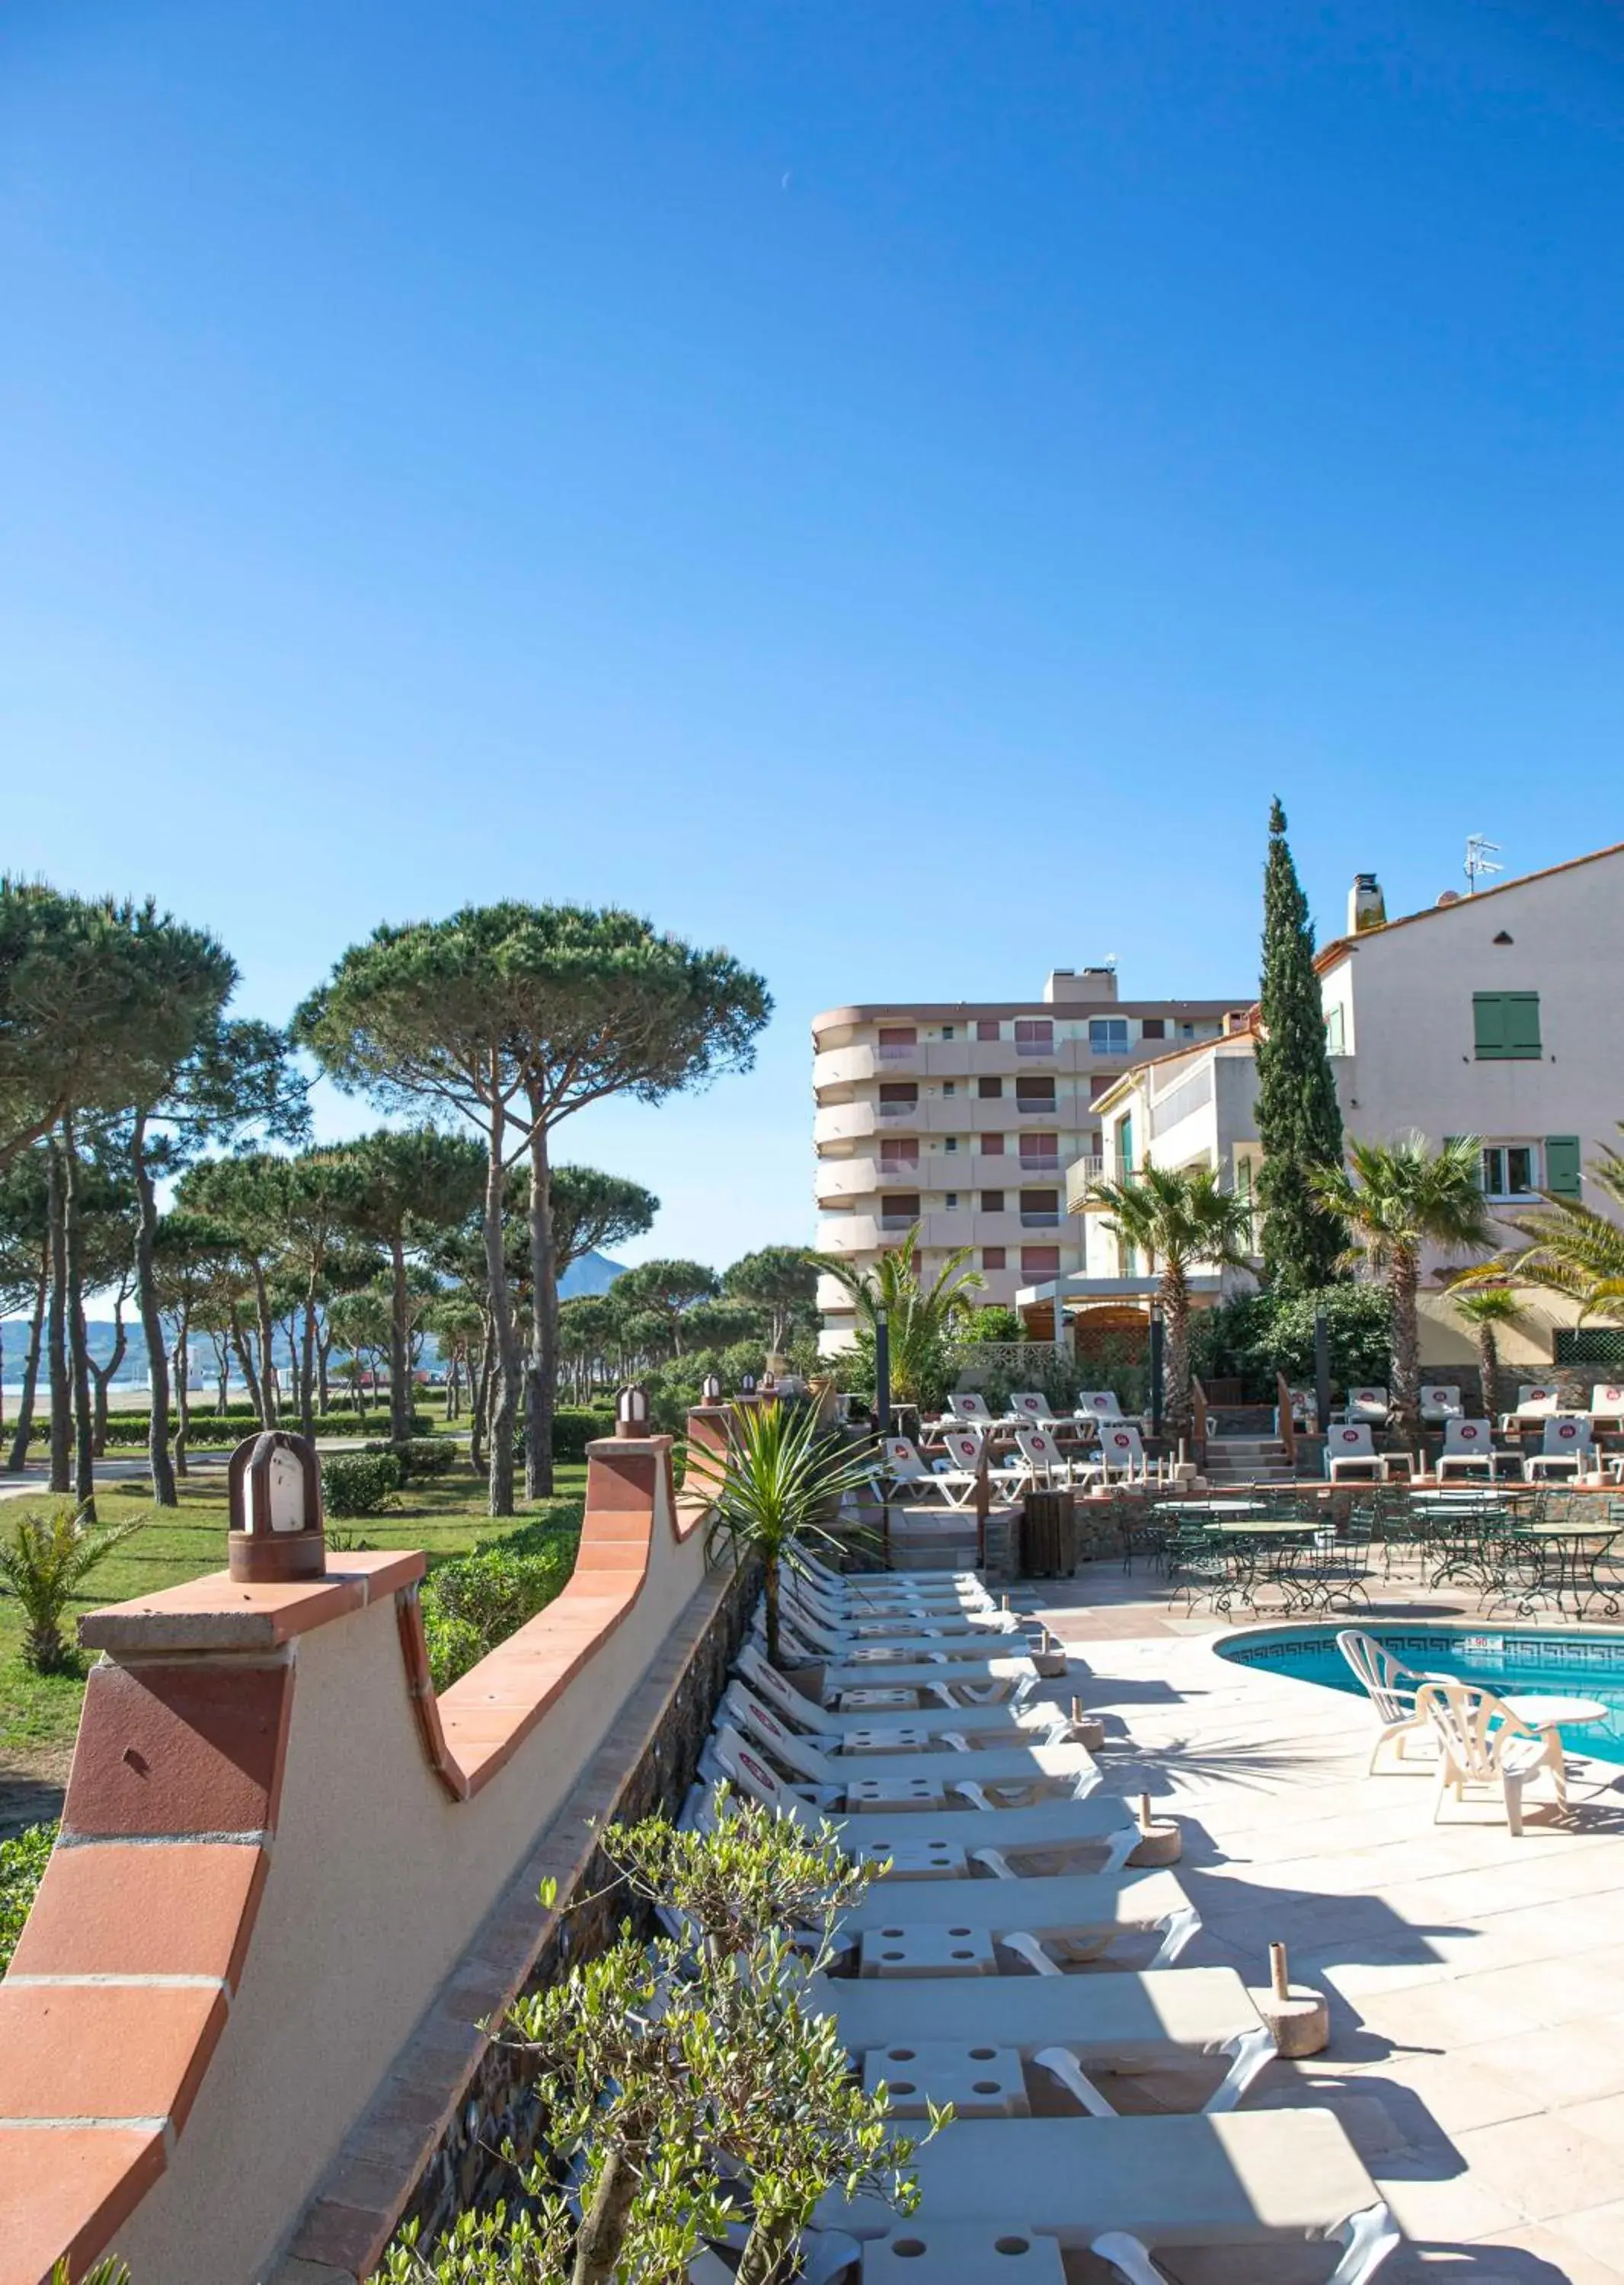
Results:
[1572, 1249]
[1177, 1217]
[1484, 1307]
[1395, 1199]
[781, 1474]
[919, 1316]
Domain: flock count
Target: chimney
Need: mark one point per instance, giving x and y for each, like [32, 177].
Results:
[1365, 907]
[1066, 988]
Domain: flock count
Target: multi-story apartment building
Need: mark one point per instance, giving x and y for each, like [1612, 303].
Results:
[1498, 1015]
[963, 1117]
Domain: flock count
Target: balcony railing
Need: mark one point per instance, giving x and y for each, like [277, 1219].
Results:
[897, 1222]
[1045, 1162]
[1083, 1174]
[1040, 1221]
[1034, 1046]
[899, 1109]
[1035, 1106]
[892, 1053]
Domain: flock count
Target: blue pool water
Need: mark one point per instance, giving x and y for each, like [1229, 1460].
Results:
[1553, 1665]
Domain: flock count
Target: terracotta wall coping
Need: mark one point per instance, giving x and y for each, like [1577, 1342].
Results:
[219, 1613]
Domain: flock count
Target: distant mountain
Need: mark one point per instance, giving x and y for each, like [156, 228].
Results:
[593, 1273]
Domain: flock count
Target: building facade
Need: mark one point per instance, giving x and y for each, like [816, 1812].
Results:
[964, 1117]
[1499, 1015]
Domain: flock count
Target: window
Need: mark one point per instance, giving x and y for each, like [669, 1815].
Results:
[1125, 1142]
[987, 1027]
[1336, 1030]
[1506, 1025]
[991, 1202]
[989, 1089]
[952, 1201]
[1040, 1150]
[992, 1145]
[1040, 1209]
[1036, 1096]
[898, 1042]
[952, 1143]
[896, 1153]
[950, 1087]
[899, 1094]
[1154, 1027]
[1108, 1035]
[949, 1031]
[1039, 1261]
[1034, 1035]
[899, 1209]
[1511, 1170]
[992, 1257]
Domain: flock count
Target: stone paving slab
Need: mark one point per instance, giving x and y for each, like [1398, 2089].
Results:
[1476, 1983]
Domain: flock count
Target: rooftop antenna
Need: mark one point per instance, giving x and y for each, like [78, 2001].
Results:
[1480, 855]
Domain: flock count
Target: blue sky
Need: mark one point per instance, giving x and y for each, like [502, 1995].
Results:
[890, 489]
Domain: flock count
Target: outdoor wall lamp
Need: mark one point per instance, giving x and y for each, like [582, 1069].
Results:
[631, 1411]
[273, 1489]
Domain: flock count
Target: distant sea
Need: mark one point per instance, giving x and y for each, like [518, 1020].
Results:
[593, 1273]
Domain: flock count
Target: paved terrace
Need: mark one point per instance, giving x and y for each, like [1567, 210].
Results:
[1476, 1983]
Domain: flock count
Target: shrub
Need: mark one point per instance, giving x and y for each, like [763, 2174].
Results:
[574, 1427]
[1258, 1335]
[209, 1427]
[476, 1601]
[422, 1455]
[359, 1483]
[23, 1860]
[993, 1323]
[42, 1559]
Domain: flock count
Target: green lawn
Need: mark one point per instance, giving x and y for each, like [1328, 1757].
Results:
[38, 1716]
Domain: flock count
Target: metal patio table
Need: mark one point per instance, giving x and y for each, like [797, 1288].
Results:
[1547, 1564]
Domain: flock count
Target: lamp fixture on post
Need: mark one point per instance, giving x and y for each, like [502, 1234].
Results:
[711, 1390]
[631, 1411]
[273, 1490]
[883, 1370]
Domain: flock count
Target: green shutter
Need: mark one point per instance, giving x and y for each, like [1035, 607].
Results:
[1506, 1025]
[1488, 1020]
[1561, 1165]
[1522, 1022]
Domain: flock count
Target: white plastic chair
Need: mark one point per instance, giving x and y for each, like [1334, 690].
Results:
[1441, 1401]
[1390, 1686]
[1121, 1452]
[965, 1446]
[1469, 1449]
[904, 1467]
[1481, 1742]
[1351, 1447]
[1566, 1444]
[1536, 1402]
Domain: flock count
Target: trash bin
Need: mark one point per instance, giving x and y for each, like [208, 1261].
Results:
[1049, 1535]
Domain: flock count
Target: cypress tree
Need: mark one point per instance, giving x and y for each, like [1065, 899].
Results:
[1299, 1121]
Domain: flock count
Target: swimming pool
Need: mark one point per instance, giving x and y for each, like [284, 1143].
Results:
[1572, 1663]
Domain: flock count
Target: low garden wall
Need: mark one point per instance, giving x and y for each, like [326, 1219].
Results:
[239, 2033]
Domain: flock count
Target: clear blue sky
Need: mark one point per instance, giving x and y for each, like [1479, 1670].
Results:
[890, 488]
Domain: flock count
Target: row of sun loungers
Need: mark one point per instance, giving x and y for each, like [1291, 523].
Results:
[1011, 1960]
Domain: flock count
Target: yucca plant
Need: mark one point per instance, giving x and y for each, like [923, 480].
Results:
[42, 1559]
[781, 1474]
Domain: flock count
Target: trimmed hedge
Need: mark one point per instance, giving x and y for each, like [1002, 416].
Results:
[476, 1601]
[23, 1859]
[422, 1455]
[210, 1428]
[574, 1427]
[359, 1483]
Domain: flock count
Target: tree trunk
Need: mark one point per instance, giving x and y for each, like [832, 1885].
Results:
[84, 1436]
[221, 1344]
[479, 1396]
[266, 1391]
[183, 1390]
[400, 1308]
[250, 1376]
[1489, 1365]
[324, 1351]
[101, 1376]
[541, 1383]
[23, 1437]
[1176, 1354]
[152, 1320]
[769, 2253]
[1402, 1282]
[56, 1344]
[770, 1611]
[506, 1396]
[307, 1361]
[603, 2225]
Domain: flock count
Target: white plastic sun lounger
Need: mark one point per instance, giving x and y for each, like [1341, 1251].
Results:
[855, 1620]
[949, 1929]
[873, 1779]
[953, 1683]
[899, 1819]
[1124, 2190]
[861, 1591]
[928, 2039]
[899, 1642]
[1023, 1721]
